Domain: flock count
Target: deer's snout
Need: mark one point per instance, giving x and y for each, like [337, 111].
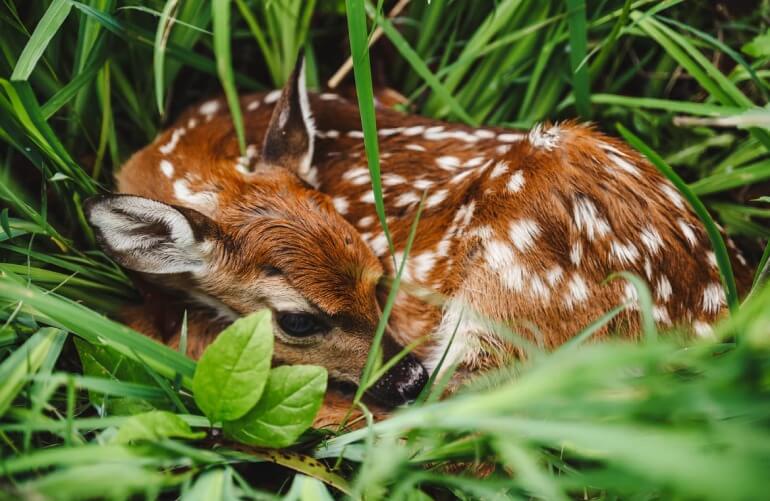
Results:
[401, 384]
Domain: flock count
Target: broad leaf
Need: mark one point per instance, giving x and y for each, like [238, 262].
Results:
[155, 425]
[233, 370]
[290, 403]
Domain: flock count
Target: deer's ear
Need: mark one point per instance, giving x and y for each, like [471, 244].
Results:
[288, 141]
[151, 237]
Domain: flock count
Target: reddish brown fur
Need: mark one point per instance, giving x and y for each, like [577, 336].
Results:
[338, 272]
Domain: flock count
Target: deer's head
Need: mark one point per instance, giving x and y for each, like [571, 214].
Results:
[272, 242]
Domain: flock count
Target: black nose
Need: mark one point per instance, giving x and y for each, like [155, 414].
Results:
[402, 384]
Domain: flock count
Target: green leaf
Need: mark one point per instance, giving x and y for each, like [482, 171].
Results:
[759, 47]
[49, 24]
[220, 14]
[104, 362]
[155, 425]
[290, 403]
[233, 370]
[25, 361]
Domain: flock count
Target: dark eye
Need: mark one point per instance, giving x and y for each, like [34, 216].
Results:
[300, 324]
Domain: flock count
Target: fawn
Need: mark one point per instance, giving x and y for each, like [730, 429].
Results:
[518, 228]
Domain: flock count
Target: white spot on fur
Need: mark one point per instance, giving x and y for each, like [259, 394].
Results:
[415, 147]
[672, 194]
[328, 96]
[576, 253]
[500, 258]
[253, 105]
[624, 253]
[385, 132]
[356, 134]
[461, 176]
[624, 165]
[660, 314]
[379, 244]
[474, 162]
[516, 181]
[356, 173]
[509, 137]
[205, 201]
[577, 291]
[171, 144]
[713, 298]
[499, 169]
[702, 329]
[554, 275]
[368, 197]
[484, 134]
[631, 296]
[503, 149]
[366, 221]
[664, 289]
[436, 198]
[393, 180]
[422, 184]
[341, 204]
[523, 233]
[588, 219]
[407, 198]
[167, 168]
[192, 123]
[272, 96]
[414, 130]
[651, 239]
[688, 232]
[209, 107]
[648, 268]
[545, 139]
[423, 265]
[448, 162]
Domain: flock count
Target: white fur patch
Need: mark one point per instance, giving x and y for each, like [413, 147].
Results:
[448, 162]
[356, 134]
[545, 139]
[414, 130]
[501, 258]
[484, 134]
[713, 298]
[172, 142]
[554, 275]
[379, 244]
[702, 329]
[588, 220]
[389, 131]
[516, 181]
[664, 289]
[624, 165]
[660, 314]
[499, 169]
[365, 221]
[523, 234]
[328, 96]
[408, 198]
[253, 105]
[688, 232]
[651, 239]
[167, 168]
[205, 201]
[210, 107]
[624, 253]
[672, 194]
[474, 162]
[415, 147]
[422, 184]
[577, 291]
[576, 253]
[341, 204]
[436, 198]
[272, 96]
[393, 180]
[509, 137]
[368, 197]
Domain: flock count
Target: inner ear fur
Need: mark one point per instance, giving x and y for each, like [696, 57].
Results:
[151, 237]
[288, 142]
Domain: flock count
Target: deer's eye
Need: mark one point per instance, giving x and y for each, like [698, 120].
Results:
[300, 324]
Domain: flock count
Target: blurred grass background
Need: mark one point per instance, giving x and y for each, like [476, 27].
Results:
[84, 84]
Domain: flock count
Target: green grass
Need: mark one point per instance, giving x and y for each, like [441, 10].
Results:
[83, 84]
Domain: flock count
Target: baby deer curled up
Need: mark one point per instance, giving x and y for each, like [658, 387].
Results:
[519, 229]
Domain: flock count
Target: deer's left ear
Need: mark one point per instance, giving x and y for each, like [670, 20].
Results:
[288, 142]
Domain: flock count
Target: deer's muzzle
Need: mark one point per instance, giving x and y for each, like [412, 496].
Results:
[401, 384]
